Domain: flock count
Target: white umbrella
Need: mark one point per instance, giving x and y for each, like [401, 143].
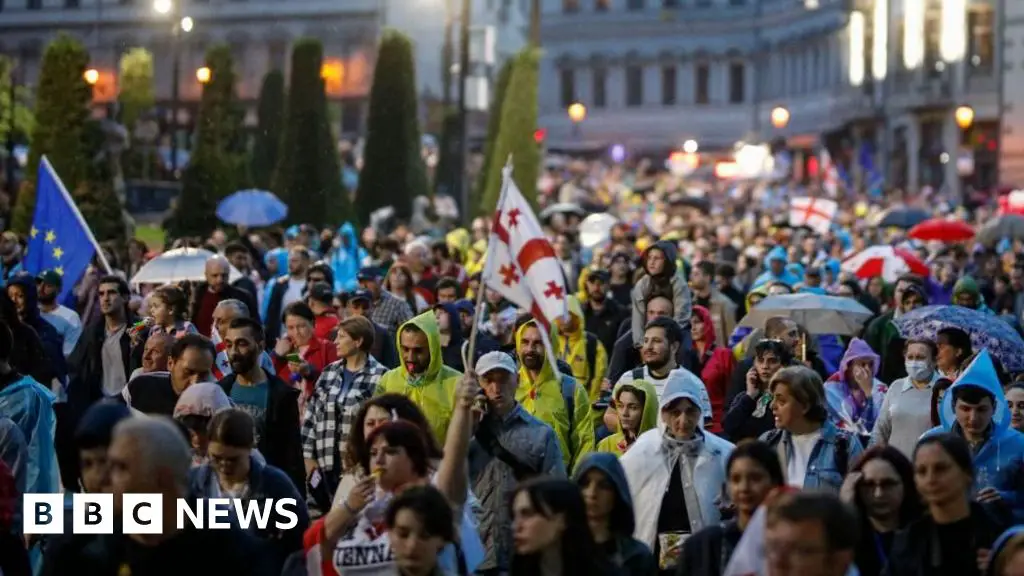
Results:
[596, 229]
[816, 313]
[178, 265]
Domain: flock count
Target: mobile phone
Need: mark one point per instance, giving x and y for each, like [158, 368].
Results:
[293, 357]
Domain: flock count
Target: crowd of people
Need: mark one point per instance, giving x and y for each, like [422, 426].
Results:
[659, 434]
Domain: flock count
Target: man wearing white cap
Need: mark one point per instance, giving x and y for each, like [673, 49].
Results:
[508, 446]
[676, 473]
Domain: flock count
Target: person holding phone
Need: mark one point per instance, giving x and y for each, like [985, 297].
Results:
[299, 356]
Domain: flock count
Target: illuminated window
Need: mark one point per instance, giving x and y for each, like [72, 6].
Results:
[980, 38]
[933, 64]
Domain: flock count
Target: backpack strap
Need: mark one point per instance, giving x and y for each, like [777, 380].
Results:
[591, 355]
[569, 397]
[638, 373]
[842, 453]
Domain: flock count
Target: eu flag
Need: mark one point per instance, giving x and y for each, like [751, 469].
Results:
[59, 240]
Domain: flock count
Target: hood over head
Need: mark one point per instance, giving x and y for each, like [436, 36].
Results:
[548, 371]
[202, 399]
[709, 324]
[622, 520]
[776, 253]
[858, 350]
[28, 285]
[670, 251]
[761, 290]
[348, 234]
[980, 373]
[649, 420]
[682, 384]
[426, 323]
[454, 324]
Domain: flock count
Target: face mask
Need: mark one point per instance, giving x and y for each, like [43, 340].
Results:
[918, 370]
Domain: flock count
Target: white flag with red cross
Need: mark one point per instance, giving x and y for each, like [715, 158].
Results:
[521, 264]
[814, 213]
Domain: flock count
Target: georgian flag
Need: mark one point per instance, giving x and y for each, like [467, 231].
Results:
[814, 213]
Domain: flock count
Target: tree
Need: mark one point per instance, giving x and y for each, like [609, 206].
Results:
[308, 175]
[493, 125]
[217, 166]
[62, 100]
[24, 120]
[270, 120]
[96, 196]
[393, 170]
[515, 133]
[136, 85]
[448, 154]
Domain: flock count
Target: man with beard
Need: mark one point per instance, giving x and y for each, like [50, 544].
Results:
[661, 342]
[214, 290]
[625, 357]
[556, 399]
[273, 405]
[64, 319]
[782, 329]
[189, 363]
[722, 309]
[603, 315]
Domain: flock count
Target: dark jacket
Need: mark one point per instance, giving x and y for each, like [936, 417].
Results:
[86, 364]
[915, 551]
[230, 292]
[604, 323]
[265, 482]
[631, 556]
[739, 422]
[708, 552]
[51, 340]
[452, 353]
[280, 444]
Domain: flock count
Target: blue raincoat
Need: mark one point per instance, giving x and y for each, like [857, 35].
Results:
[787, 277]
[999, 460]
[347, 259]
[30, 406]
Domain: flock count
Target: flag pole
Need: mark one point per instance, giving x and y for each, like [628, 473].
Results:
[478, 309]
[74, 208]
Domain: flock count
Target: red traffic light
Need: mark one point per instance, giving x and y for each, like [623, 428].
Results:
[539, 135]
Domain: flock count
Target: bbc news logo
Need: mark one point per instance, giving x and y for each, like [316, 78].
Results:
[144, 513]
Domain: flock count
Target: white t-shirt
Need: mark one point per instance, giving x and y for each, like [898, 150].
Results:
[803, 444]
[294, 291]
[659, 386]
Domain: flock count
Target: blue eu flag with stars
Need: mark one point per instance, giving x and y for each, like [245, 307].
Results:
[59, 240]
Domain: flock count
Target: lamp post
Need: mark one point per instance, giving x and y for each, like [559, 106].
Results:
[577, 114]
[91, 76]
[964, 116]
[164, 8]
[204, 74]
[780, 117]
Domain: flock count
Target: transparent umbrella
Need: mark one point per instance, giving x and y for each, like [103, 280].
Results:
[179, 265]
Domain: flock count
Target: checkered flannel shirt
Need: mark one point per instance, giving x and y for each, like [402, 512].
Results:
[391, 312]
[328, 418]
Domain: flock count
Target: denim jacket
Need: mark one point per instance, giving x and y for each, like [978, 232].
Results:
[830, 458]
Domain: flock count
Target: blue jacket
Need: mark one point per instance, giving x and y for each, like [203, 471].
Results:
[830, 458]
[631, 555]
[999, 461]
[265, 482]
[30, 405]
[787, 277]
[347, 259]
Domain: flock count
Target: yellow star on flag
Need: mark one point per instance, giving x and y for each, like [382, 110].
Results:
[59, 270]
[57, 252]
[50, 236]
[34, 232]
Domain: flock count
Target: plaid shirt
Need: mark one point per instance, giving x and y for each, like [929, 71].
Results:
[391, 312]
[329, 417]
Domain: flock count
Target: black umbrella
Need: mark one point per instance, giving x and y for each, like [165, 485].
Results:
[902, 217]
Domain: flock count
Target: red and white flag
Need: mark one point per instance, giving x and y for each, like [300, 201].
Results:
[830, 174]
[521, 264]
[814, 213]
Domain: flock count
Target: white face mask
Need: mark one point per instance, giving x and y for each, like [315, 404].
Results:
[919, 370]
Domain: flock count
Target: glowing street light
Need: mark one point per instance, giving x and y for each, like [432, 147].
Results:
[91, 76]
[203, 74]
[577, 113]
[964, 117]
[780, 117]
[163, 6]
[690, 147]
[186, 24]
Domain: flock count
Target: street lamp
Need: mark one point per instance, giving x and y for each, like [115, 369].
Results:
[91, 76]
[163, 7]
[577, 113]
[181, 24]
[203, 74]
[186, 24]
[964, 117]
[690, 146]
[780, 117]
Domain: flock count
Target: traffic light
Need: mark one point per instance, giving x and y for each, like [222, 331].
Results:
[539, 135]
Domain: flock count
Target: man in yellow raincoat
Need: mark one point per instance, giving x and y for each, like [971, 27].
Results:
[582, 351]
[422, 375]
[553, 398]
[636, 407]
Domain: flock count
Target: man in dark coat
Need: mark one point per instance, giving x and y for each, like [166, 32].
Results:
[215, 289]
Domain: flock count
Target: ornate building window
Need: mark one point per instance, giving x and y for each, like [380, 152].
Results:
[702, 84]
[568, 87]
[634, 85]
[668, 85]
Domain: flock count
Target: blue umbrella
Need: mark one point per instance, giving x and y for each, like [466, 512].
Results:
[986, 331]
[252, 208]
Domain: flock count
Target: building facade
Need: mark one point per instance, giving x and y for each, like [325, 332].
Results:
[260, 33]
[877, 78]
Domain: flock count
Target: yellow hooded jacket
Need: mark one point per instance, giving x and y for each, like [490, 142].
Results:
[573, 351]
[434, 390]
[546, 401]
[616, 443]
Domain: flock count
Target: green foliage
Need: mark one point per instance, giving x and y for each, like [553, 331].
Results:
[448, 154]
[493, 125]
[515, 134]
[308, 174]
[136, 85]
[24, 120]
[270, 117]
[393, 169]
[95, 195]
[217, 166]
[62, 98]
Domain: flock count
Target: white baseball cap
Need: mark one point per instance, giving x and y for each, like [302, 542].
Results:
[495, 360]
